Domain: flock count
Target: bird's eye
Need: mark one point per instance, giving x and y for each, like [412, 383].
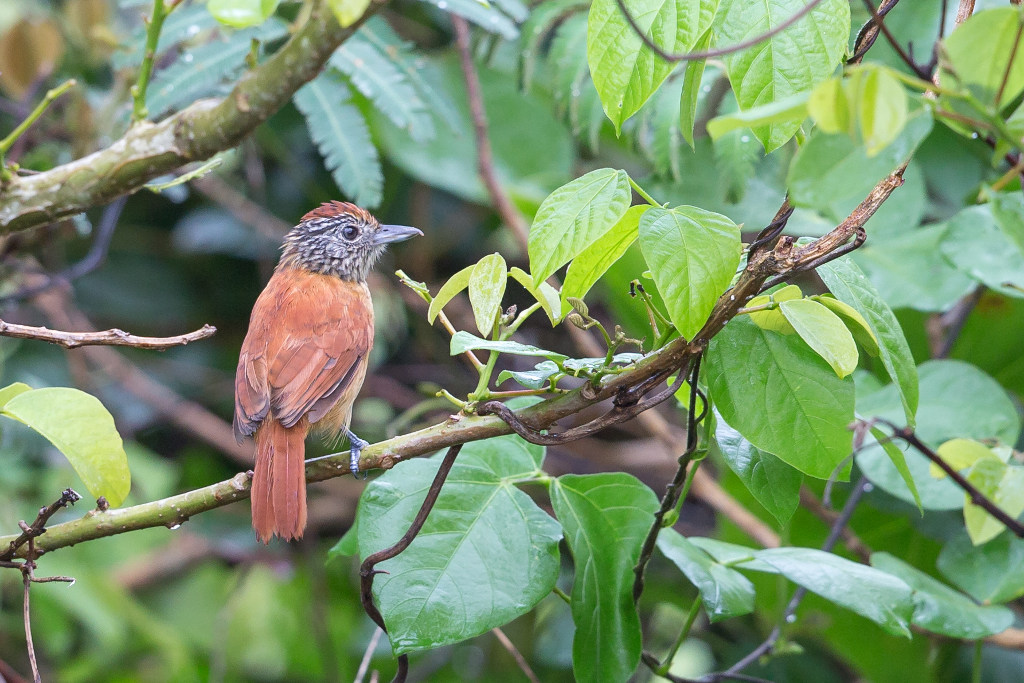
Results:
[350, 232]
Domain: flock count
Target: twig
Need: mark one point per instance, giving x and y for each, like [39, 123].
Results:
[878, 18]
[977, 497]
[510, 647]
[1009, 65]
[155, 24]
[868, 33]
[114, 337]
[8, 674]
[26, 615]
[718, 51]
[38, 527]
[19, 130]
[367, 569]
[964, 11]
[371, 647]
[852, 542]
[485, 158]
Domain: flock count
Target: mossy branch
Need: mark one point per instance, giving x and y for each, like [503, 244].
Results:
[149, 150]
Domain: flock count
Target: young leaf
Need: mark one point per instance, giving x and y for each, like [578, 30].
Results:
[456, 283]
[1003, 485]
[486, 289]
[348, 12]
[242, 13]
[788, 63]
[772, 482]
[625, 72]
[881, 108]
[588, 267]
[544, 293]
[343, 138]
[486, 555]
[12, 390]
[464, 341]
[961, 454]
[848, 283]
[693, 255]
[531, 379]
[789, 110]
[754, 373]
[772, 318]
[726, 593]
[605, 518]
[824, 332]
[82, 429]
[881, 597]
[574, 216]
[855, 322]
[940, 609]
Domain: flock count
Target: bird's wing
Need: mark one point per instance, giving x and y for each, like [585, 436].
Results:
[309, 337]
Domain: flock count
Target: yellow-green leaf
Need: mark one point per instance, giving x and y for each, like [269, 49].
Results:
[772, 318]
[824, 332]
[486, 289]
[456, 283]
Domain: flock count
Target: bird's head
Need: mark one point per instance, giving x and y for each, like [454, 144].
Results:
[340, 239]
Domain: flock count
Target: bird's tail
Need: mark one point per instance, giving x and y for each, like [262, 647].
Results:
[279, 480]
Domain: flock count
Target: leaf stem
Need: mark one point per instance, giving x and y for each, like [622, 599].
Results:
[524, 392]
[562, 594]
[643, 193]
[480, 392]
[683, 634]
[12, 137]
[520, 319]
[153, 28]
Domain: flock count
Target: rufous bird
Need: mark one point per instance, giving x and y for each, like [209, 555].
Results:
[304, 357]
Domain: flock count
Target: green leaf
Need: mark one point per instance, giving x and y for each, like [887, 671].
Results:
[855, 322]
[82, 429]
[693, 255]
[726, 593]
[347, 545]
[772, 482]
[789, 110]
[849, 285]
[961, 454]
[340, 132]
[456, 283]
[899, 461]
[977, 246]
[732, 554]
[979, 54]
[693, 74]
[606, 518]
[348, 12]
[486, 554]
[824, 332]
[537, 29]
[531, 379]
[574, 216]
[588, 267]
[464, 341]
[1008, 210]
[755, 375]
[12, 390]
[242, 13]
[625, 71]
[989, 573]
[881, 597]
[486, 289]
[881, 108]
[1003, 485]
[376, 74]
[544, 293]
[940, 609]
[942, 415]
[791, 62]
[829, 106]
[772, 318]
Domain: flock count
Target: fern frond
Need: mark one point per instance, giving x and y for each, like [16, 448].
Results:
[486, 17]
[204, 71]
[378, 78]
[340, 132]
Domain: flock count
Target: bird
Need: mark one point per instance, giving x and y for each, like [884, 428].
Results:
[304, 356]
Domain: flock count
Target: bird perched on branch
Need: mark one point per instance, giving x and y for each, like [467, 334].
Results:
[304, 357]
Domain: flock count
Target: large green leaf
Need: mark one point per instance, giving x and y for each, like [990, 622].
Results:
[486, 289]
[792, 61]
[82, 429]
[625, 71]
[881, 597]
[940, 609]
[574, 216]
[942, 415]
[486, 554]
[340, 133]
[983, 54]
[976, 245]
[772, 482]
[781, 396]
[992, 573]
[588, 267]
[726, 593]
[824, 332]
[693, 255]
[605, 518]
[849, 285]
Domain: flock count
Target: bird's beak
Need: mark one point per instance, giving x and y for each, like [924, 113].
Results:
[394, 233]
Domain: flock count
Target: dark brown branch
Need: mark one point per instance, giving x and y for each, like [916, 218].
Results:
[114, 337]
[977, 497]
[367, 569]
[38, 527]
[877, 18]
[485, 158]
[26, 616]
[868, 33]
[718, 51]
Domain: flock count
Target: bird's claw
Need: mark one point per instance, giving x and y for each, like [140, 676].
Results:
[357, 446]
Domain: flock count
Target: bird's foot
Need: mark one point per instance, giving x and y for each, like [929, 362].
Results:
[357, 446]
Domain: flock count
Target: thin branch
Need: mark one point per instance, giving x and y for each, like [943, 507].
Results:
[868, 33]
[19, 130]
[371, 647]
[113, 337]
[38, 527]
[367, 570]
[26, 616]
[878, 18]
[718, 51]
[510, 647]
[1009, 65]
[485, 158]
[964, 11]
[153, 26]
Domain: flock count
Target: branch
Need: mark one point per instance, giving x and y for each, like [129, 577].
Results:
[198, 132]
[113, 337]
[38, 527]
